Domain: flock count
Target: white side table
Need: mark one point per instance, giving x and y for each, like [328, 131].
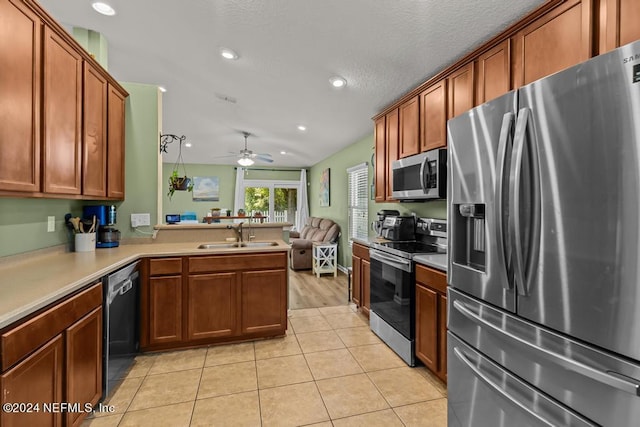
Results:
[325, 258]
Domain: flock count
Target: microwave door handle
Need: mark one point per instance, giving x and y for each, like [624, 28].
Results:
[423, 177]
[504, 247]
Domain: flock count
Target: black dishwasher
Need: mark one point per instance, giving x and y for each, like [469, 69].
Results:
[121, 324]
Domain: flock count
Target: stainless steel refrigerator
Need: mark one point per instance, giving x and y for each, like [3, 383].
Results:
[544, 251]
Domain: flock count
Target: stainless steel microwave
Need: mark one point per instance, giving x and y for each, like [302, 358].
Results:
[420, 177]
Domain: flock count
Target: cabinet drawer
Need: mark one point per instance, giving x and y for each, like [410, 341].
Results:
[433, 278]
[165, 266]
[237, 262]
[17, 342]
[360, 251]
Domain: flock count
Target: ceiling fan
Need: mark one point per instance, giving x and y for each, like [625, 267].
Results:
[247, 157]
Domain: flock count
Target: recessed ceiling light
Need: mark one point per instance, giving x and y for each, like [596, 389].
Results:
[188, 144]
[162, 89]
[302, 128]
[103, 8]
[283, 152]
[228, 53]
[338, 82]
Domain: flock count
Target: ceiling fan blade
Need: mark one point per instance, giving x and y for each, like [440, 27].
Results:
[262, 158]
[265, 155]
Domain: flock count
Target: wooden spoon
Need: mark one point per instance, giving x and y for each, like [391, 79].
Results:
[76, 224]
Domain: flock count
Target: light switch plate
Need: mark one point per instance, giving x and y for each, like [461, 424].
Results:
[138, 220]
[51, 224]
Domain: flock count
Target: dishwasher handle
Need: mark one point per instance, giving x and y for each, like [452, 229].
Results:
[122, 287]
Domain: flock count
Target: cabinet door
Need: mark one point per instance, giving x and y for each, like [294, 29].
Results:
[494, 73]
[557, 40]
[115, 144]
[433, 117]
[264, 302]
[409, 127]
[461, 90]
[427, 326]
[94, 152]
[83, 342]
[213, 302]
[20, 89]
[62, 116]
[37, 379]
[381, 159]
[620, 25]
[165, 309]
[356, 281]
[392, 134]
[366, 294]
[442, 337]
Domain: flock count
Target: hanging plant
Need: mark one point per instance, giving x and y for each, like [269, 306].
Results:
[176, 182]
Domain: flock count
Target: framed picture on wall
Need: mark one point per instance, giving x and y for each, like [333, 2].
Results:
[325, 188]
[206, 189]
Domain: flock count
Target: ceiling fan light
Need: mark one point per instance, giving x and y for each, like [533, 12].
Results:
[245, 161]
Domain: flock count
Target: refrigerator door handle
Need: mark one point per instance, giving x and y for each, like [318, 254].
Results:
[498, 389]
[610, 378]
[504, 247]
[524, 131]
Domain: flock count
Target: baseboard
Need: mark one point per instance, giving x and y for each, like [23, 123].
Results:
[342, 269]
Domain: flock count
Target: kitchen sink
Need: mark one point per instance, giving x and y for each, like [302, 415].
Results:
[220, 245]
[258, 244]
[223, 245]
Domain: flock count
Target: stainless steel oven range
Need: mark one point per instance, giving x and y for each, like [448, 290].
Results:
[392, 315]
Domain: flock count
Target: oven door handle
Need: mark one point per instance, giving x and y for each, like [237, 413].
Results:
[393, 261]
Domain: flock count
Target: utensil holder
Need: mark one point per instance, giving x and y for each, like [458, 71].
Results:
[85, 242]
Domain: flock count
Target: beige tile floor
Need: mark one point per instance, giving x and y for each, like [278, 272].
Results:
[330, 370]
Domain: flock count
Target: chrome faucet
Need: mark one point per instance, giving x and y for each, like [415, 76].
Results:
[237, 230]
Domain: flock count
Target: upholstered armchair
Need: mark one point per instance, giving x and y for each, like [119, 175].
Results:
[316, 229]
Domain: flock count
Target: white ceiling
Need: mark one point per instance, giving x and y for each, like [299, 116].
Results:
[288, 51]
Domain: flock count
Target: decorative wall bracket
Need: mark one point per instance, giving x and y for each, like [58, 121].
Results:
[167, 139]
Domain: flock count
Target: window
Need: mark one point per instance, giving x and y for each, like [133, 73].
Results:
[275, 200]
[358, 201]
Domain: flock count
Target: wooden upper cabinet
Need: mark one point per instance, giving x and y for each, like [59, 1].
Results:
[619, 23]
[409, 127]
[461, 90]
[20, 89]
[557, 40]
[433, 117]
[94, 152]
[115, 143]
[494, 73]
[381, 158]
[392, 134]
[62, 117]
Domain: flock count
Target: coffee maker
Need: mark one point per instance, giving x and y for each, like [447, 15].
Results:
[382, 215]
[107, 235]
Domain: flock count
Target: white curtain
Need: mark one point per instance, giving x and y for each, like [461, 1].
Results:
[238, 202]
[303, 202]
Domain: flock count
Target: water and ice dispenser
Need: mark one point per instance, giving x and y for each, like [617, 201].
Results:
[470, 235]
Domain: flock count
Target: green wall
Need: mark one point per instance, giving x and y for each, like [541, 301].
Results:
[23, 222]
[339, 162]
[182, 201]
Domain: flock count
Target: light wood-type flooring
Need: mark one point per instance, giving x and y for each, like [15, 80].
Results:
[308, 291]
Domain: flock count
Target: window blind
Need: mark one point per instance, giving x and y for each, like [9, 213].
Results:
[358, 201]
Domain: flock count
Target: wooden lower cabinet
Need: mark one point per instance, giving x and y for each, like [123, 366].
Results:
[212, 306]
[213, 299]
[165, 310]
[360, 277]
[431, 320]
[83, 342]
[37, 379]
[53, 358]
[264, 301]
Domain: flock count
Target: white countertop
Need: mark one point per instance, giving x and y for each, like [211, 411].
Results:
[438, 261]
[33, 283]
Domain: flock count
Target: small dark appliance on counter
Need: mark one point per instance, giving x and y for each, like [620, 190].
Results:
[172, 218]
[399, 228]
[107, 235]
[382, 215]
